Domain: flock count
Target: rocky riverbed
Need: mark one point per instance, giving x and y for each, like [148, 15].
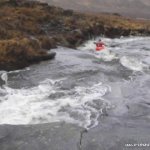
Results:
[109, 135]
[28, 29]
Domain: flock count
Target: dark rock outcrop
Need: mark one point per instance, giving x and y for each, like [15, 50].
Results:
[19, 53]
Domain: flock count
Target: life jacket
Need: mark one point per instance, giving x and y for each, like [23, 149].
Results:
[100, 46]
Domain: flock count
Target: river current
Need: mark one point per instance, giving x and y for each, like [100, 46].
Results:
[81, 86]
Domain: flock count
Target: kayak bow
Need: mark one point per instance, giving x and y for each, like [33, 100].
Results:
[99, 48]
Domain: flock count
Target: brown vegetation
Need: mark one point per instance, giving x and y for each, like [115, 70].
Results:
[20, 53]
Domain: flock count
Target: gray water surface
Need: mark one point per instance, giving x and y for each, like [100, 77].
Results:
[107, 93]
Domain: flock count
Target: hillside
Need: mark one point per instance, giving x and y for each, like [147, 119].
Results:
[132, 8]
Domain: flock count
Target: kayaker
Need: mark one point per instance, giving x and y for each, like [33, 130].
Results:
[99, 45]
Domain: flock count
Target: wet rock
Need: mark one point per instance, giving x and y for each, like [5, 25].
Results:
[115, 134]
[43, 57]
[55, 136]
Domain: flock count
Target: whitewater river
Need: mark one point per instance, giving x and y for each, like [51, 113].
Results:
[85, 88]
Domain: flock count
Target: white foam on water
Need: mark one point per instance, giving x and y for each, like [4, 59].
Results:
[21, 70]
[4, 77]
[88, 46]
[40, 104]
[4, 74]
[106, 55]
[132, 63]
[123, 40]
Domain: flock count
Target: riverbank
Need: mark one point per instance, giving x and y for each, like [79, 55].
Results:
[29, 29]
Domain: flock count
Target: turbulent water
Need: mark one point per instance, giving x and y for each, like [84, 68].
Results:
[80, 86]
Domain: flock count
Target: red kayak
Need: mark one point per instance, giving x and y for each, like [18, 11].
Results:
[99, 48]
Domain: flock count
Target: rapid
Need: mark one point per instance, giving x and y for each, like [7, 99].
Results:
[80, 86]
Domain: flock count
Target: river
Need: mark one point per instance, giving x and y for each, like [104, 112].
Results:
[81, 87]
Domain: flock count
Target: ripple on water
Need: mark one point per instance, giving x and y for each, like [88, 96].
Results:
[79, 97]
[48, 102]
